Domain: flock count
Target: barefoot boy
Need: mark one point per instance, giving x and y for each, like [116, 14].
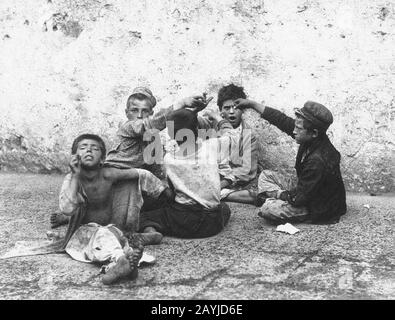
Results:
[128, 151]
[96, 229]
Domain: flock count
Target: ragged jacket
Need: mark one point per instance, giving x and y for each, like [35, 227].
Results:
[320, 185]
[129, 149]
[239, 162]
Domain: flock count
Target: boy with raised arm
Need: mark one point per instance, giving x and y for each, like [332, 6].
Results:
[128, 150]
[317, 195]
[193, 174]
[238, 167]
[97, 227]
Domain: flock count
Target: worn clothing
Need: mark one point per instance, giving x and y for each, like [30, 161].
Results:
[273, 182]
[320, 185]
[197, 210]
[276, 210]
[87, 237]
[187, 221]
[126, 200]
[95, 243]
[238, 162]
[194, 178]
[104, 245]
[132, 138]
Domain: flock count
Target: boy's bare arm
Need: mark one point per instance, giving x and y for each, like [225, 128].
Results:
[69, 198]
[149, 183]
[114, 174]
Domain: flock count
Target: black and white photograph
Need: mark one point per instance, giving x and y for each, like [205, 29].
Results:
[212, 152]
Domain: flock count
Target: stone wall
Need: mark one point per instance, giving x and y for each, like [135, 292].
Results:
[67, 67]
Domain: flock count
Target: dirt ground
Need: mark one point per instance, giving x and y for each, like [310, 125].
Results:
[353, 259]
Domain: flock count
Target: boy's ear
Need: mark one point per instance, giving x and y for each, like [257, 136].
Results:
[315, 133]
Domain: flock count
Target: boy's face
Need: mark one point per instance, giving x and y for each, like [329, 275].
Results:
[231, 113]
[138, 109]
[90, 153]
[301, 134]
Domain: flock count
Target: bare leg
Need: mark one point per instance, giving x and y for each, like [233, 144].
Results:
[242, 196]
[247, 197]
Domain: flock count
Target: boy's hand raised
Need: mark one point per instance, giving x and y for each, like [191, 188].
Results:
[75, 164]
[195, 103]
[205, 101]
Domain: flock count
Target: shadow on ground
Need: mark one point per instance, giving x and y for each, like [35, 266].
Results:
[353, 259]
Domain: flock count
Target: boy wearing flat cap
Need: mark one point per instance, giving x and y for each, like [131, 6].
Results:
[318, 195]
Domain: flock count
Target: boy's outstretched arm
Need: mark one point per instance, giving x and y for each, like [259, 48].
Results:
[137, 128]
[114, 174]
[149, 183]
[274, 116]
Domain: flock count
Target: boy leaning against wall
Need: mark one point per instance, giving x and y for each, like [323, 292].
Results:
[97, 229]
[128, 151]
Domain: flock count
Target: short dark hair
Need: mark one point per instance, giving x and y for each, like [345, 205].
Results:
[137, 96]
[230, 92]
[90, 137]
[184, 119]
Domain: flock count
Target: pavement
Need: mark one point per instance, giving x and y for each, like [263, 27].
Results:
[353, 259]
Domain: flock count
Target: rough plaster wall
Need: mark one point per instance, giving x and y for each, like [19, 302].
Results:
[67, 67]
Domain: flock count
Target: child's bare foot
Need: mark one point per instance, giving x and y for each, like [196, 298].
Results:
[124, 268]
[146, 238]
[134, 260]
[57, 219]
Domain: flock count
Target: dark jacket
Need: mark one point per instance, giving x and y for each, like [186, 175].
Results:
[320, 185]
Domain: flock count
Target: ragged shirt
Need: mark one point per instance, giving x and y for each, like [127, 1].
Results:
[239, 162]
[195, 178]
[128, 151]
